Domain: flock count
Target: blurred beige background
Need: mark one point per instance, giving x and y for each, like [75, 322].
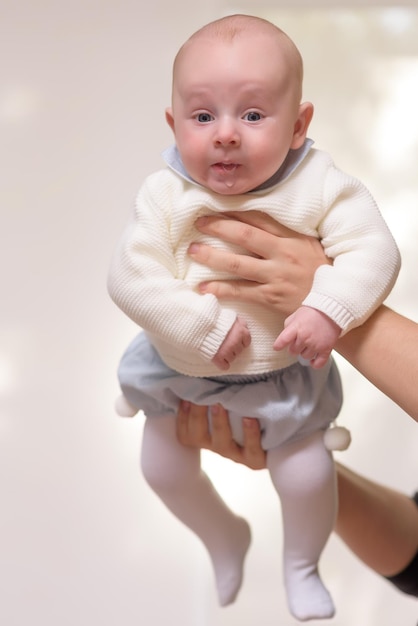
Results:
[84, 85]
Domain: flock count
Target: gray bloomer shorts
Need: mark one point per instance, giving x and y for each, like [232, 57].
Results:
[289, 403]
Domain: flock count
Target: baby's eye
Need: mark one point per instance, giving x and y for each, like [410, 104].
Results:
[252, 116]
[204, 118]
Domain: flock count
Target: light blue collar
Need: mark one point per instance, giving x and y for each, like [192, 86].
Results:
[293, 159]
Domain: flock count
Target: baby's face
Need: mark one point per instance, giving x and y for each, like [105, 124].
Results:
[235, 110]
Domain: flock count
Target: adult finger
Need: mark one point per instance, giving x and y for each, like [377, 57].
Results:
[221, 429]
[264, 222]
[247, 267]
[192, 427]
[224, 444]
[254, 456]
[253, 238]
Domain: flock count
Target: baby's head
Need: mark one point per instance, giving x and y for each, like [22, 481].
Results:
[236, 103]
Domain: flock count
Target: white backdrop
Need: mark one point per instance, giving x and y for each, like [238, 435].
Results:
[84, 85]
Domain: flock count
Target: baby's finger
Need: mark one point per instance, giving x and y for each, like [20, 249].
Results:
[319, 360]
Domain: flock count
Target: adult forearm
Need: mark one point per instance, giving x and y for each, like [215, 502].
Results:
[385, 350]
[377, 523]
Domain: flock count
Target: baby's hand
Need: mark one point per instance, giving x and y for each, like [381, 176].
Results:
[309, 333]
[234, 343]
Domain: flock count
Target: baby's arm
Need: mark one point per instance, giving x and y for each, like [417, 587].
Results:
[149, 283]
[237, 339]
[310, 334]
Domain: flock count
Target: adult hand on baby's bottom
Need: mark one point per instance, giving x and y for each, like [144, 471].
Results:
[310, 334]
[237, 339]
[193, 431]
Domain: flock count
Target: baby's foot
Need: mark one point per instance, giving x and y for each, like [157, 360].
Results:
[229, 564]
[307, 597]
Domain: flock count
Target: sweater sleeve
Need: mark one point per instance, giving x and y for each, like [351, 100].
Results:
[143, 282]
[366, 257]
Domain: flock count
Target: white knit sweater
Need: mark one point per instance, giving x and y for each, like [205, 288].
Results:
[153, 280]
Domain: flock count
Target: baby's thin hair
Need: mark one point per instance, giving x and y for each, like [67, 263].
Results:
[232, 26]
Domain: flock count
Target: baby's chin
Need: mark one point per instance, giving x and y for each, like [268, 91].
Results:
[229, 192]
[227, 180]
[228, 188]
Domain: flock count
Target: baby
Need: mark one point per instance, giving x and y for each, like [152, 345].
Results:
[240, 131]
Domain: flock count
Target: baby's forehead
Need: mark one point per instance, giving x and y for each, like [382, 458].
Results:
[253, 38]
[274, 47]
[207, 54]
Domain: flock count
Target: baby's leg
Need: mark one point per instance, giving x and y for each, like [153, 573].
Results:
[304, 475]
[174, 473]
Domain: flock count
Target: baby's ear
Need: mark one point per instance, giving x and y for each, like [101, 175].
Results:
[303, 120]
[169, 118]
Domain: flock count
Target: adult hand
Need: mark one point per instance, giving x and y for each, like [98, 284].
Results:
[193, 431]
[278, 269]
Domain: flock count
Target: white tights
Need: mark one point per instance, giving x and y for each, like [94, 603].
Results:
[302, 473]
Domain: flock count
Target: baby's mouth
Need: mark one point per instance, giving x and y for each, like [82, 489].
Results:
[226, 167]
[226, 173]
[229, 167]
